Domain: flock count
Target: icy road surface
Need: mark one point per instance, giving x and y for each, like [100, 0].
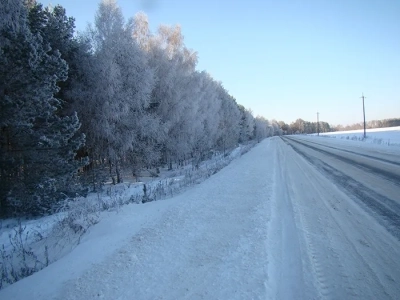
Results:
[292, 219]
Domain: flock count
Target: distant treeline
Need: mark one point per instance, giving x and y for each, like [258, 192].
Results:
[370, 124]
[305, 127]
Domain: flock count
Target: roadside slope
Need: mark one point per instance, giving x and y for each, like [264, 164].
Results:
[210, 243]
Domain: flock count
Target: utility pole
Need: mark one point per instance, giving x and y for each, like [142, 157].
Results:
[365, 134]
[318, 123]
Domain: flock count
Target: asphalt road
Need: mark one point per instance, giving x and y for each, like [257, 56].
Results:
[369, 177]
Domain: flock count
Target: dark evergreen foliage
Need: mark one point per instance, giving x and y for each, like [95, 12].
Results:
[37, 145]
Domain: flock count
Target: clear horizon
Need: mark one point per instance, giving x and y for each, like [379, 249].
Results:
[286, 60]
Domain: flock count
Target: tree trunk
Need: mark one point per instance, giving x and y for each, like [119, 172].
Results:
[118, 171]
[111, 173]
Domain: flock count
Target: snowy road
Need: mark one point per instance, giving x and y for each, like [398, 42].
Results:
[291, 219]
[372, 179]
[346, 212]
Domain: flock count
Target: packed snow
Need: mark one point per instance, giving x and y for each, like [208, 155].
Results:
[267, 226]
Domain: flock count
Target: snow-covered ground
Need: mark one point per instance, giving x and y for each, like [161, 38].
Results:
[384, 136]
[29, 245]
[268, 226]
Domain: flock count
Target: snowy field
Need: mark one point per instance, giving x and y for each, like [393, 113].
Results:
[270, 225]
[385, 136]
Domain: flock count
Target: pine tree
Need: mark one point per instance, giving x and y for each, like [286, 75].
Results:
[37, 145]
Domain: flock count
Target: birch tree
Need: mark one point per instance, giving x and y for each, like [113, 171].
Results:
[121, 83]
[229, 117]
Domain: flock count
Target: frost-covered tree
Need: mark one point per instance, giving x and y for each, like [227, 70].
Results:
[116, 108]
[37, 145]
[298, 126]
[205, 126]
[197, 114]
[57, 30]
[229, 117]
[276, 129]
[141, 31]
[262, 129]
[173, 97]
[285, 127]
[246, 125]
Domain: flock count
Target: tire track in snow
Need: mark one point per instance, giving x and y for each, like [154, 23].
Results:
[385, 210]
[342, 239]
[359, 154]
[328, 273]
[286, 265]
[392, 175]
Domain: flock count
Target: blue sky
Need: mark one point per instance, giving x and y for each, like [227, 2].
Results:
[287, 59]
